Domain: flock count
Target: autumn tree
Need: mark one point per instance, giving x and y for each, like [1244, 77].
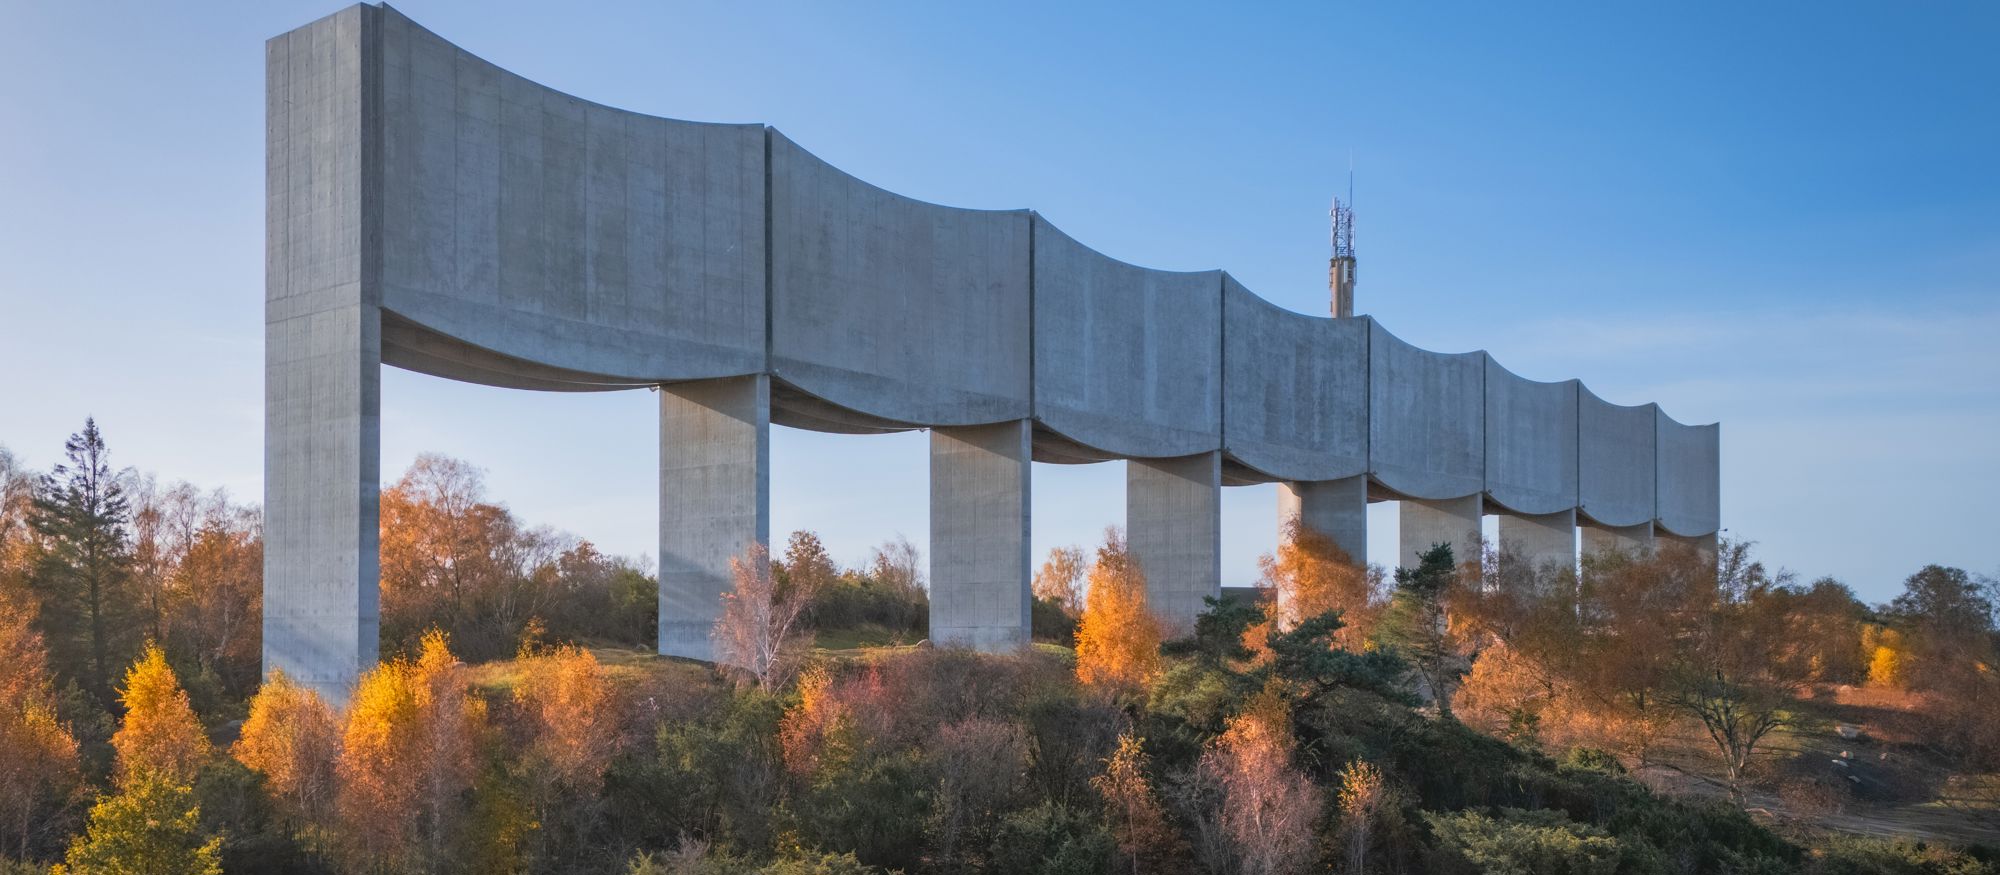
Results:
[152, 826]
[408, 755]
[759, 631]
[1118, 637]
[1363, 793]
[160, 733]
[1139, 824]
[292, 738]
[975, 766]
[217, 602]
[40, 774]
[572, 716]
[1311, 575]
[1268, 808]
[1415, 623]
[1060, 579]
[896, 564]
[83, 576]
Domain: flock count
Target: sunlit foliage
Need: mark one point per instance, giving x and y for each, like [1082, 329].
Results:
[1118, 638]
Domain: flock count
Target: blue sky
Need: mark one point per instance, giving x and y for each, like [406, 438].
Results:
[1784, 217]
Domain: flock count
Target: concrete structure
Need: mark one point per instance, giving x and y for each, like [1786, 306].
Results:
[431, 211]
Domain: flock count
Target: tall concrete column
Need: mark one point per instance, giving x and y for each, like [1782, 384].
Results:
[1173, 522]
[1541, 540]
[1337, 509]
[1707, 545]
[322, 357]
[715, 499]
[1453, 521]
[1627, 539]
[980, 489]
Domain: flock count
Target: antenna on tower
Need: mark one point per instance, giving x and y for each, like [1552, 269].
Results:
[1340, 269]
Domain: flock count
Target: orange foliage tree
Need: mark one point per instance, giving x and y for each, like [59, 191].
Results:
[293, 739]
[1061, 577]
[573, 715]
[407, 756]
[1139, 824]
[39, 774]
[1118, 638]
[160, 733]
[1268, 808]
[1311, 575]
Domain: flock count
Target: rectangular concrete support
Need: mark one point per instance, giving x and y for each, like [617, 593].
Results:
[1628, 539]
[1707, 545]
[322, 357]
[1335, 508]
[715, 499]
[1453, 521]
[1173, 521]
[980, 489]
[1541, 540]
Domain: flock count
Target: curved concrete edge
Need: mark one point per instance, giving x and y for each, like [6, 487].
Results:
[562, 232]
[1127, 359]
[1296, 389]
[1531, 442]
[894, 307]
[1690, 500]
[1426, 418]
[412, 346]
[1616, 461]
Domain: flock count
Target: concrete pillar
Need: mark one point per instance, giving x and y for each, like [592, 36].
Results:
[1541, 540]
[1335, 508]
[1173, 522]
[1629, 539]
[1453, 521]
[322, 358]
[980, 483]
[715, 500]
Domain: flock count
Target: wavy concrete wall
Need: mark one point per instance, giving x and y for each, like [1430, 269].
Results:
[432, 211]
[528, 223]
[1297, 389]
[1128, 360]
[1531, 442]
[532, 239]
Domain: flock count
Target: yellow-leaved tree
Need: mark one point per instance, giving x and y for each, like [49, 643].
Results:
[1118, 638]
[39, 770]
[292, 738]
[407, 758]
[160, 733]
[1311, 575]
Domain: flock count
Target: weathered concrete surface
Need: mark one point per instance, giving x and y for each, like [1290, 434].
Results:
[1296, 390]
[1615, 460]
[1337, 509]
[1128, 360]
[1623, 539]
[980, 575]
[1531, 438]
[893, 307]
[1173, 525]
[1426, 421]
[715, 499]
[1689, 491]
[1541, 540]
[1425, 524]
[322, 349]
[536, 225]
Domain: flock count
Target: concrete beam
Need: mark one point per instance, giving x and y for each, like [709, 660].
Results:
[1453, 521]
[1541, 540]
[1335, 508]
[715, 500]
[980, 489]
[1173, 521]
[1628, 539]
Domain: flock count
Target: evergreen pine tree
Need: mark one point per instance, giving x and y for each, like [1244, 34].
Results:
[1415, 625]
[84, 572]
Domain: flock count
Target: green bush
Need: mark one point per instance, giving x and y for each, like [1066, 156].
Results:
[1051, 839]
[1530, 843]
